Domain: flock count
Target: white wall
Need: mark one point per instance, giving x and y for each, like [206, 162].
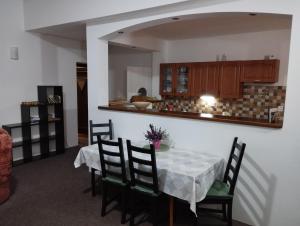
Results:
[43, 13]
[268, 181]
[119, 59]
[67, 53]
[245, 46]
[138, 77]
[43, 60]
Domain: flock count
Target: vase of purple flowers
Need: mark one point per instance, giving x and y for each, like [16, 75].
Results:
[155, 135]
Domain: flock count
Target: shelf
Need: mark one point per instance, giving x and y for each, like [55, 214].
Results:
[39, 104]
[33, 141]
[20, 125]
[42, 123]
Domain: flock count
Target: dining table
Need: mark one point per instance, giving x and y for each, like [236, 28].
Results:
[185, 174]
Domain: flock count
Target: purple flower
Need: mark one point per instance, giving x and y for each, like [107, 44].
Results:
[155, 134]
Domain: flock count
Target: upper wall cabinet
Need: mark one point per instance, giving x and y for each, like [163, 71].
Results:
[205, 79]
[230, 85]
[182, 80]
[260, 71]
[166, 79]
[221, 79]
[175, 79]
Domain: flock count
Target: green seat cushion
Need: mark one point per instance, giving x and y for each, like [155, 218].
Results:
[219, 189]
[145, 190]
[114, 180]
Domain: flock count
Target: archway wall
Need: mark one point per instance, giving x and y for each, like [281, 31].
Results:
[268, 181]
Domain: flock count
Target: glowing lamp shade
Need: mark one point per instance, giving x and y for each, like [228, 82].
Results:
[210, 100]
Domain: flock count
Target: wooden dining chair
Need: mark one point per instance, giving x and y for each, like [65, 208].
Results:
[141, 167]
[113, 173]
[94, 132]
[222, 192]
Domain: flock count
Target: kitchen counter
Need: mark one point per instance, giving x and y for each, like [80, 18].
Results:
[197, 116]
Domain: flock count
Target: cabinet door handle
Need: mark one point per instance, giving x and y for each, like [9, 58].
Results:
[257, 80]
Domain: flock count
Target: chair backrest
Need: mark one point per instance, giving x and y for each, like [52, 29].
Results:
[136, 165]
[106, 156]
[234, 164]
[94, 133]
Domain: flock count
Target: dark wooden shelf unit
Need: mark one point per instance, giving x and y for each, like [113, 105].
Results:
[43, 92]
[43, 123]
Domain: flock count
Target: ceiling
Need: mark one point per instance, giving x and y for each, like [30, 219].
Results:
[75, 31]
[188, 27]
[206, 25]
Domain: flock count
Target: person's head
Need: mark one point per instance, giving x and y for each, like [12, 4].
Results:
[142, 91]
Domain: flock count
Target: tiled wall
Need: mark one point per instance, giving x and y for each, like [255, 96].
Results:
[255, 103]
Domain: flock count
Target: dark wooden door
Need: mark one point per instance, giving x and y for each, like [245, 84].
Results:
[230, 86]
[82, 98]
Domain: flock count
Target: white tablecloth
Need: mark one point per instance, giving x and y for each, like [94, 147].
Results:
[184, 174]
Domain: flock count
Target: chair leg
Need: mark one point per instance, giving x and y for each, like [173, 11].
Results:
[195, 220]
[124, 205]
[132, 208]
[155, 212]
[104, 198]
[224, 211]
[93, 181]
[229, 217]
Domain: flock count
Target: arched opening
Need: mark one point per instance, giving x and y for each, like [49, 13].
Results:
[251, 40]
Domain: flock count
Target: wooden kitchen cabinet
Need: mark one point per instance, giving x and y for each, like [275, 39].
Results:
[175, 79]
[182, 80]
[205, 79]
[260, 71]
[230, 82]
[166, 79]
[220, 79]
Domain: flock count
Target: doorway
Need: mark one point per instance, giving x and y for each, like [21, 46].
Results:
[82, 103]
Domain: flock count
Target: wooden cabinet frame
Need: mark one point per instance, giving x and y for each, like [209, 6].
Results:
[174, 67]
[221, 79]
[260, 71]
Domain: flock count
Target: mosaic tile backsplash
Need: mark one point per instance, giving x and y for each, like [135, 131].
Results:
[255, 103]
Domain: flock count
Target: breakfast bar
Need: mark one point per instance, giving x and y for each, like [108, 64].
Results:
[196, 116]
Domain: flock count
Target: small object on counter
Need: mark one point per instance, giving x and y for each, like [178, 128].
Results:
[218, 57]
[144, 99]
[272, 114]
[141, 105]
[225, 113]
[224, 58]
[170, 107]
[269, 57]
